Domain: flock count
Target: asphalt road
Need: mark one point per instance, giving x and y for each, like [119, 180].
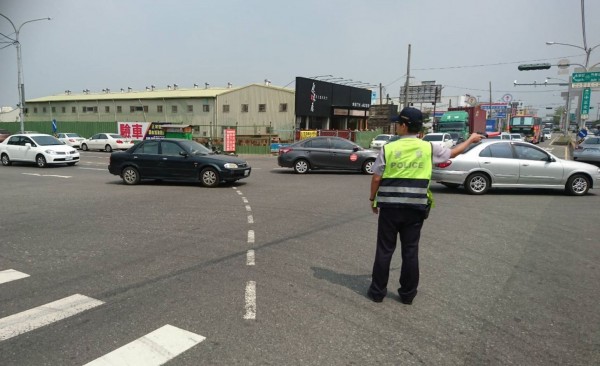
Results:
[273, 270]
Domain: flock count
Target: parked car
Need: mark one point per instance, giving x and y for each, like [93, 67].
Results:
[71, 139]
[588, 150]
[325, 152]
[107, 142]
[379, 141]
[4, 134]
[440, 138]
[177, 160]
[500, 163]
[40, 149]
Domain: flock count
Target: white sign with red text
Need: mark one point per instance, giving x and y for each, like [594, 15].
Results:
[133, 130]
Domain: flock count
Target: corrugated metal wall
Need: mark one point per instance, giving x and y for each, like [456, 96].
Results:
[85, 129]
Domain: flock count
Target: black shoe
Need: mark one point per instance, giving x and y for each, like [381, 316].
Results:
[407, 300]
[373, 298]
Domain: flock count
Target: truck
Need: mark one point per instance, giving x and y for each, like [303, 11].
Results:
[463, 120]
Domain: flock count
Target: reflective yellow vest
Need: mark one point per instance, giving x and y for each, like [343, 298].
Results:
[405, 180]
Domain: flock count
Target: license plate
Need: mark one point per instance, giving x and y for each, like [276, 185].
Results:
[69, 158]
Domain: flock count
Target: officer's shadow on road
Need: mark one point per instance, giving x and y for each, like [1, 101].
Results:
[357, 283]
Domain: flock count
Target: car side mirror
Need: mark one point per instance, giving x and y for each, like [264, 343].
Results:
[27, 144]
[183, 153]
[355, 149]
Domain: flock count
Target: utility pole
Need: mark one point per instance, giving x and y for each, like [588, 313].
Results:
[380, 94]
[407, 78]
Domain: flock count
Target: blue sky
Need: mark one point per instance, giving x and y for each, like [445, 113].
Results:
[133, 43]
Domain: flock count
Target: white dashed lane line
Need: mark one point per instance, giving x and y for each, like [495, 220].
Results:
[11, 275]
[250, 292]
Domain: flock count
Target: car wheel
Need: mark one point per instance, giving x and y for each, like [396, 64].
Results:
[209, 177]
[367, 167]
[40, 160]
[301, 166]
[477, 183]
[84, 147]
[578, 185]
[108, 148]
[130, 176]
[6, 160]
[451, 185]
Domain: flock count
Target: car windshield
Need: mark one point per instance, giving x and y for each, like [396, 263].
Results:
[115, 136]
[46, 140]
[432, 138]
[195, 148]
[72, 135]
[382, 138]
[515, 136]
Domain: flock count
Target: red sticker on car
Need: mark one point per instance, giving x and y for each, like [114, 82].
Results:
[353, 157]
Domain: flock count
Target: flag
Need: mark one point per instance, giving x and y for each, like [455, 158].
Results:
[54, 129]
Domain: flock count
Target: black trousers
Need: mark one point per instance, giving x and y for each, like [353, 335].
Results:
[408, 223]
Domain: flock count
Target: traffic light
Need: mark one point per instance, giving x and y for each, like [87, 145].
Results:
[527, 67]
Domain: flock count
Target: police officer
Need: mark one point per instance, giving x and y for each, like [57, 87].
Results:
[400, 195]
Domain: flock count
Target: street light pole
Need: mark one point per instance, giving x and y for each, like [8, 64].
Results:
[20, 83]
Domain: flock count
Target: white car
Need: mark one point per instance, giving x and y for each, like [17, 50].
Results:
[40, 149]
[547, 134]
[71, 139]
[107, 142]
[439, 138]
[380, 140]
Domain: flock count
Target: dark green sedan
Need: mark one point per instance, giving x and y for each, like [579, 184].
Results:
[176, 160]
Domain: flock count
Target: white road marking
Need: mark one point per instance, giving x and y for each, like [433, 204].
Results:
[11, 275]
[239, 192]
[245, 199]
[155, 348]
[250, 300]
[248, 208]
[250, 236]
[250, 258]
[14, 325]
[47, 175]
[250, 219]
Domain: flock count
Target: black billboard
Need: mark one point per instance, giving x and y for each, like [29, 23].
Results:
[316, 98]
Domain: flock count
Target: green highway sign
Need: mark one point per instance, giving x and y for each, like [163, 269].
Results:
[585, 77]
[585, 102]
[585, 80]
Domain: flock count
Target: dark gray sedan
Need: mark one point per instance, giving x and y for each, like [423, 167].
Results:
[502, 163]
[176, 160]
[325, 152]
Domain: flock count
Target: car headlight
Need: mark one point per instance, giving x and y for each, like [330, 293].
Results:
[50, 152]
[230, 166]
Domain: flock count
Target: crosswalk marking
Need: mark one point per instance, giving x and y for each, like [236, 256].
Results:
[11, 275]
[155, 348]
[14, 325]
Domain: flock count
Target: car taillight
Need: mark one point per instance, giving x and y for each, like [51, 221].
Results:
[284, 150]
[444, 164]
[119, 141]
[71, 140]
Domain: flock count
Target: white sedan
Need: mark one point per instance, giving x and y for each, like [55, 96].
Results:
[71, 139]
[439, 138]
[107, 142]
[37, 148]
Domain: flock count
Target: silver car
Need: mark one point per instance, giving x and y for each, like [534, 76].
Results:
[512, 164]
[588, 150]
